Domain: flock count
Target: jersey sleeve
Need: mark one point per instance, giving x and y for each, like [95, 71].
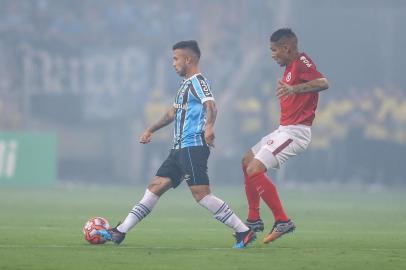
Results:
[307, 70]
[201, 90]
[310, 75]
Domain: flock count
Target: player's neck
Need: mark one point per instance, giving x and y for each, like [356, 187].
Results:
[191, 72]
[295, 55]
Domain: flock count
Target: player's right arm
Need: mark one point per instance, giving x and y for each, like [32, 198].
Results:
[315, 85]
[313, 80]
[166, 119]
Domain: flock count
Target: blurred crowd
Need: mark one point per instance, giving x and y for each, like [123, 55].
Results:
[90, 22]
[103, 68]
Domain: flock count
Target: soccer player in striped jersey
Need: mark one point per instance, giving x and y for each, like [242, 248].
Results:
[298, 95]
[194, 113]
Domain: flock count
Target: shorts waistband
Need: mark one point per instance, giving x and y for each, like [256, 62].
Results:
[302, 127]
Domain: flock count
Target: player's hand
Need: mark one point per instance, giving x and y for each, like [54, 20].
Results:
[284, 89]
[209, 135]
[146, 136]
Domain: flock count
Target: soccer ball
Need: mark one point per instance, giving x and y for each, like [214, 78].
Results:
[90, 230]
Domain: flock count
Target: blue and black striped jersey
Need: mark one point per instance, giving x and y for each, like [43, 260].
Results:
[190, 116]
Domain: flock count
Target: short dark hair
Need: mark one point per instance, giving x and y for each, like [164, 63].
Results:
[283, 33]
[188, 44]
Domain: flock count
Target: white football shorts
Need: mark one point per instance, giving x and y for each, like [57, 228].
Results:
[285, 142]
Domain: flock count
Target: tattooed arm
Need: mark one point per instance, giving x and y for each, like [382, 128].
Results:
[166, 119]
[316, 85]
[211, 113]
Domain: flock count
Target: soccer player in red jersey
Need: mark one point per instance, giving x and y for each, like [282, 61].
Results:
[298, 93]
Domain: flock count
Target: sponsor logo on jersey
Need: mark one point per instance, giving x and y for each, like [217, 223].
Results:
[205, 88]
[305, 61]
[288, 77]
[186, 177]
[180, 106]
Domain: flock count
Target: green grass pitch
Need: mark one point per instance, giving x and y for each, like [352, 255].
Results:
[41, 229]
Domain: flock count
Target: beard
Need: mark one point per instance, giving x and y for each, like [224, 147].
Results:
[181, 72]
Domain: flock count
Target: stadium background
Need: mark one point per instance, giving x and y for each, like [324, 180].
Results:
[90, 75]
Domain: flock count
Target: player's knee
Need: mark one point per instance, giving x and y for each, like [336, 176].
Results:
[247, 159]
[254, 169]
[198, 197]
[199, 193]
[244, 162]
[159, 186]
[251, 170]
[155, 188]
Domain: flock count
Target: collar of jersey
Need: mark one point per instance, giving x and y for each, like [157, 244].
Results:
[191, 77]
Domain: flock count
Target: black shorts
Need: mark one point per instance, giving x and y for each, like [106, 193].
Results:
[189, 163]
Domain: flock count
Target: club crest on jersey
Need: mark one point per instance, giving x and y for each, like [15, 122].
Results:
[270, 142]
[288, 77]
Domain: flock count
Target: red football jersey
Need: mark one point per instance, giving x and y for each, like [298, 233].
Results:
[299, 108]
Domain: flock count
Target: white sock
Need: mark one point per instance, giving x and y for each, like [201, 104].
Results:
[222, 212]
[139, 211]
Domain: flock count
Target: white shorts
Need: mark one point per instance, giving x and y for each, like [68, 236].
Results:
[285, 142]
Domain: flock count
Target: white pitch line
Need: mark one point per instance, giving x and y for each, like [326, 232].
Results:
[126, 247]
[269, 247]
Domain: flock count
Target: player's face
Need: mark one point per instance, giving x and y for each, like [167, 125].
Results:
[179, 62]
[280, 53]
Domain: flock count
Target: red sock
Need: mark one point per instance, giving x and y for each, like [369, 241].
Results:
[267, 190]
[252, 197]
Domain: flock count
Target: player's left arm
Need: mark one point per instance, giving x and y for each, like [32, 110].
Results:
[211, 114]
[315, 85]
